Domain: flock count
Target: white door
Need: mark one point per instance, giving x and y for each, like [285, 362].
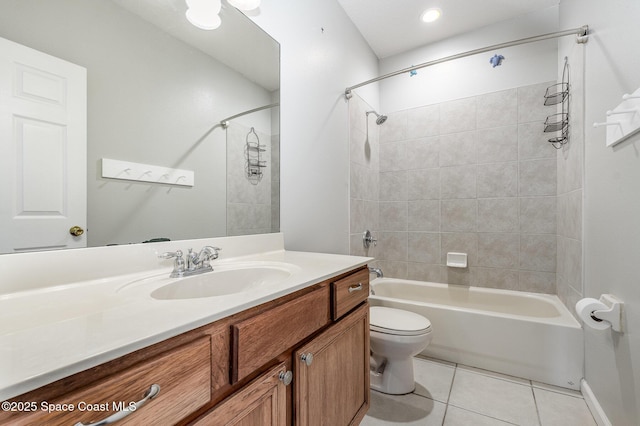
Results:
[43, 150]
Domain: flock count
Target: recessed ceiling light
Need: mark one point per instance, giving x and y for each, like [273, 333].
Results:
[431, 15]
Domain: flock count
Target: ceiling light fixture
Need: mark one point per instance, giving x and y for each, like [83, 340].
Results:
[204, 13]
[431, 15]
[245, 4]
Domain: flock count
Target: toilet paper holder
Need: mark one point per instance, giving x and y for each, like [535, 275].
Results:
[612, 315]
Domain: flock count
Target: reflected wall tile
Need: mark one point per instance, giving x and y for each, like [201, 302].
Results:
[422, 153]
[393, 186]
[537, 177]
[371, 216]
[538, 253]
[531, 103]
[458, 116]
[497, 109]
[360, 151]
[498, 180]
[423, 121]
[394, 129]
[498, 215]
[393, 216]
[424, 247]
[533, 143]
[424, 215]
[423, 184]
[458, 215]
[458, 149]
[458, 182]
[498, 250]
[497, 145]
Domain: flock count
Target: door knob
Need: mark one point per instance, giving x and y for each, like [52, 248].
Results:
[76, 231]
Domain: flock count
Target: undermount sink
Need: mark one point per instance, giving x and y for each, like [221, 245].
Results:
[221, 283]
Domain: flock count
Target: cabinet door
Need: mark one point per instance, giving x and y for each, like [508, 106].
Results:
[262, 402]
[332, 388]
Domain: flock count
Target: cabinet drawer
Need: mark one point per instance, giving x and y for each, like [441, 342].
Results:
[349, 292]
[261, 338]
[184, 377]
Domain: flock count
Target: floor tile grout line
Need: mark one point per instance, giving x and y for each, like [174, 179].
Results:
[482, 414]
[446, 407]
[535, 401]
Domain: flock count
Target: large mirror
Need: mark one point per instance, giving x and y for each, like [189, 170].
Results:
[158, 89]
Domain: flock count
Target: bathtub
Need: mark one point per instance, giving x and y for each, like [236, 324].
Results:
[527, 335]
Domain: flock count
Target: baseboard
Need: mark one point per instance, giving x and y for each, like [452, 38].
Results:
[596, 409]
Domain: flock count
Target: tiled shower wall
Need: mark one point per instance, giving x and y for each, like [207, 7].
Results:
[570, 190]
[248, 205]
[474, 175]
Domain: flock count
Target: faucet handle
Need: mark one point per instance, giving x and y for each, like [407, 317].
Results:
[178, 265]
[171, 254]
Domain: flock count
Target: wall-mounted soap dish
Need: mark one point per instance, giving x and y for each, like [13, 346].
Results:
[456, 260]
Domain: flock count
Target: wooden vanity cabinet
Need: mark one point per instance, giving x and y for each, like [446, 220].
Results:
[235, 371]
[332, 387]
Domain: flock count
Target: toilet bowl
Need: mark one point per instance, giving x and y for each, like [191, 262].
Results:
[396, 337]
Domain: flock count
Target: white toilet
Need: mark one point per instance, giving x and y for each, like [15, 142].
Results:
[396, 337]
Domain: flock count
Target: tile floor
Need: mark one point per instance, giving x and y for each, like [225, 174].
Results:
[456, 395]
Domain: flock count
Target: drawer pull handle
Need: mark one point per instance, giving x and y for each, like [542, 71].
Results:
[153, 391]
[307, 358]
[286, 377]
[355, 288]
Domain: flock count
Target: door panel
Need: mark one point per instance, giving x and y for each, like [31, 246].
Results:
[43, 140]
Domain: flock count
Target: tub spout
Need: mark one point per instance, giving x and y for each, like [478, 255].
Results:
[376, 271]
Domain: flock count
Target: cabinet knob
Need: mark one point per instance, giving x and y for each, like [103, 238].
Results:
[286, 377]
[307, 358]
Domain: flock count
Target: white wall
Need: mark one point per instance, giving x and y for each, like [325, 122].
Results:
[611, 201]
[316, 67]
[471, 76]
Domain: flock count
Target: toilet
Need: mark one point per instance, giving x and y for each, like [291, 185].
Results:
[396, 337]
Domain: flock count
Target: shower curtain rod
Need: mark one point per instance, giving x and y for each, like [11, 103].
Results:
[581, 33]
[225, 123]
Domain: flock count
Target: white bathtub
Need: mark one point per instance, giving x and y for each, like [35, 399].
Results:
[527, 335]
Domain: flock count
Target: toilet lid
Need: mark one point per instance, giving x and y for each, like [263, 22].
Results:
[398, 322]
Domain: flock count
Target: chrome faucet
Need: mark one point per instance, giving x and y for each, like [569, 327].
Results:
[376, 271]
[195, 263]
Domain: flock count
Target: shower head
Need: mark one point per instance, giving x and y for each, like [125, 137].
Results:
[381, 118]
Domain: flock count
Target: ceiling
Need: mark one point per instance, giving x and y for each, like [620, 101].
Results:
[236, 34]
[394, 26]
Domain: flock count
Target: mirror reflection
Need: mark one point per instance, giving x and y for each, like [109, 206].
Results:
[157, 90]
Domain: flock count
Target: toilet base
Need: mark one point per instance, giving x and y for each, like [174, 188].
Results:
[396, 379]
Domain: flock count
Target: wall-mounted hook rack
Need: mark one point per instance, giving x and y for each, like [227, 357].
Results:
[125, 170]
[623, 121]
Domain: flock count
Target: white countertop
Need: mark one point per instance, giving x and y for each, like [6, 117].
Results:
[53, 332]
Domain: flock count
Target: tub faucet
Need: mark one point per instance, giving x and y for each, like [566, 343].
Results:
[196, 263]
[376, 271]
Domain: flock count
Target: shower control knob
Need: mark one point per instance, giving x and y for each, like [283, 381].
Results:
[307, 358]
[367, 239]
[286, 377]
